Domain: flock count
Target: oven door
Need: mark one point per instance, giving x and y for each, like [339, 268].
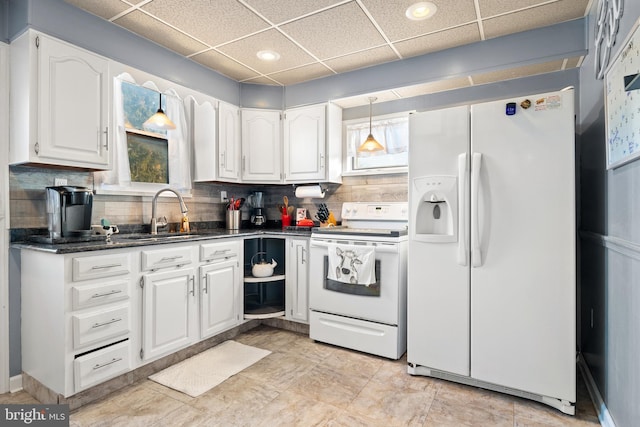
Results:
[377, 302]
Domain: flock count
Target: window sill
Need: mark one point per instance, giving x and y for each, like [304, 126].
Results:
[380, 171]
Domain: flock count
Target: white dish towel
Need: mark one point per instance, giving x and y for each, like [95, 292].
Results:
[352, 264]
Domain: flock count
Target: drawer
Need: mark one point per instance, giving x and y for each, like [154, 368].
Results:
[217, 251]
[84, 296]
[162, 258]
[94, 267]
[100, 365]
[93, 327]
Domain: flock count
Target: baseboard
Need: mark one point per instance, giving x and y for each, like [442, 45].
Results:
[603, 413]
[15, 383]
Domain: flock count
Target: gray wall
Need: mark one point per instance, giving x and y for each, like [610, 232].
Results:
[609, 249]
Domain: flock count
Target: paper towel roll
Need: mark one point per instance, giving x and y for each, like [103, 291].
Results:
[313, 191]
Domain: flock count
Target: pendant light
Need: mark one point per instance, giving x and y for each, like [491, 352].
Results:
[370, 144]
[159, 121]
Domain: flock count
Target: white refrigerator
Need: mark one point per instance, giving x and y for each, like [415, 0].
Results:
[492, 237]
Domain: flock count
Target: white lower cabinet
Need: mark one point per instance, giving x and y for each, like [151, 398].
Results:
[168, 311]
[220, 287]
[297, 281]
[219, 296]
[76, 327]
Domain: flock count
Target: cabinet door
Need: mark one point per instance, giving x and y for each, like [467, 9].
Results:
[219, 297]
[305, 144]
[73, 105]
[203, 122]
[297, 282]
[168, 311]
[261, 146]
[228, 142]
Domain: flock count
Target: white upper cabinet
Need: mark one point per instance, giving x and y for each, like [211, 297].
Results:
[61, 115]
[203, 128]
[313, 144]
[229, 153]
[261, 155]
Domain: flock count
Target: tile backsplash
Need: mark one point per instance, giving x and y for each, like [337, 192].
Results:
[27, 199]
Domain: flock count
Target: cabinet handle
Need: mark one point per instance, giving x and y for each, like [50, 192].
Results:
[193, 286]
[244, 163]
[106, 294]
[221, 251]
[204, 286]
[114, 360]
[222, 163]
[98, 325]
[106, 138]
[321, 161]
[169, 258]
[303, 251]
[100, 267]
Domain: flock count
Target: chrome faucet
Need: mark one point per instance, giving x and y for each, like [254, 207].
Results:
[154, 203]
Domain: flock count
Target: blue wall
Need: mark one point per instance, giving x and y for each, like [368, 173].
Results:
[610, 249]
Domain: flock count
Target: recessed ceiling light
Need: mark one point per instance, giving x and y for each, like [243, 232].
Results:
[268, 55]
[421, 10]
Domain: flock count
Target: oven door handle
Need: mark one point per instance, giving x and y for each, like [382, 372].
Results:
[391, 248]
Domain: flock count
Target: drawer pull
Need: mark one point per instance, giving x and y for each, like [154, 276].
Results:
[97, 325]
[100, 267]
[114, 360]
[169, 258]
[106, 294]
[221, 251]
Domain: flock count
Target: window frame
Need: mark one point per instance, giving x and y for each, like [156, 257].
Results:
[104, 181]
[349, 160]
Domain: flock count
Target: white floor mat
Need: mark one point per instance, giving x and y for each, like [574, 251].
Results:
[206, 370]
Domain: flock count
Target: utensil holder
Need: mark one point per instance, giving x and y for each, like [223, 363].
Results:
[233, 220]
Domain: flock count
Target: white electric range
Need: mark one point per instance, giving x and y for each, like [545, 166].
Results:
[367, 317]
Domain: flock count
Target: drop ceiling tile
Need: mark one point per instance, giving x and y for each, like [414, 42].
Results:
[213, 22]
[335, 32]
[536, 17]
[262, 80]
[515, 73]
[106, 9]
[302, 74]
[433, 87]
[439, 41]
[362, 59]
[156, 31]
[390, 15]
[245, 50]
[285, 10]
[490, 8]
[224, 65]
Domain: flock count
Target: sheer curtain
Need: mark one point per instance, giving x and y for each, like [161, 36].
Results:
[179, 152]
[392, 133]
[120, 174]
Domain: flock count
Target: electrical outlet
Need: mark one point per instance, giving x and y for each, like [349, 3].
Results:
[223, 196]
[59, 181]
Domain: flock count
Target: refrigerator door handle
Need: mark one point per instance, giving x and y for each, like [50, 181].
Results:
[476, 254]
[463, 232]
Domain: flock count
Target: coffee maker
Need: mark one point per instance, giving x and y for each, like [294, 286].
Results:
[258, 217]
[69, 213]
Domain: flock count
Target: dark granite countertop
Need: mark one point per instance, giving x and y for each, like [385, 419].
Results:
[130, 240]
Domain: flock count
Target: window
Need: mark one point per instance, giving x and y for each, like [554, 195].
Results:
[144, 161]
[391, 131]
[147, 150]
